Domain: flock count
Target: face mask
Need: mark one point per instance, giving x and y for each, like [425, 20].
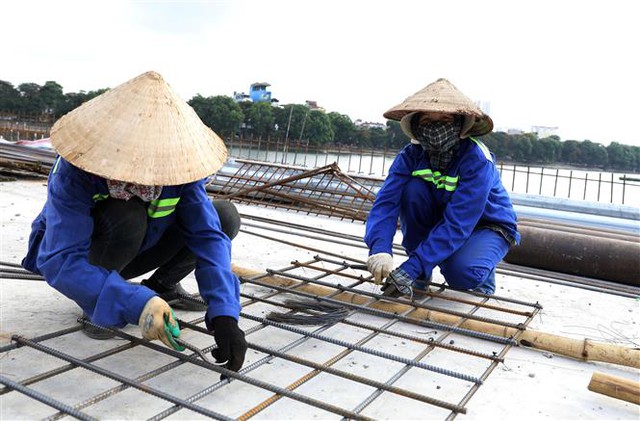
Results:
[439, 136]
[441, 140]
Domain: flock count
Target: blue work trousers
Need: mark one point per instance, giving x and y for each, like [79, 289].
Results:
[472, 266]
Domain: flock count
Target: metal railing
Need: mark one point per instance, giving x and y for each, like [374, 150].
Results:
[578, 184]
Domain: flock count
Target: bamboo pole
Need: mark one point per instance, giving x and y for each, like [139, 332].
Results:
[616, 387]
[581, 349]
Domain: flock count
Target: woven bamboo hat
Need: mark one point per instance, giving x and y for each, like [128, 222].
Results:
[442, 97]
[140, 132]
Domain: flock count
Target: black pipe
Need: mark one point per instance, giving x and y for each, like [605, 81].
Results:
[578, 254]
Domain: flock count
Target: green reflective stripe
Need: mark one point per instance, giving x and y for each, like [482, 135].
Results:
[441, 181]
[483, 147]
[55, 167]
[450, 183]
[162, 207]
[98, 196]
[420, 173]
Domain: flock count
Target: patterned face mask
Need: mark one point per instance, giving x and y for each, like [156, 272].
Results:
[441, 140]
[125, 191]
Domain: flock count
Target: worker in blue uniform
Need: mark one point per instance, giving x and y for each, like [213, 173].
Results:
[445, 191]
[126, 196]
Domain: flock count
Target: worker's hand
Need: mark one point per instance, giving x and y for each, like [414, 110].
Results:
[400, 281]
[157, 321]
[231, 343]
[380, 265]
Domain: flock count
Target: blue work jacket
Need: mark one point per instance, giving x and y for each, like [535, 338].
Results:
[468, 194]
[60, 241]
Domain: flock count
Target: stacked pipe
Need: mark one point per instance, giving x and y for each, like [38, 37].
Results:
[595, 253]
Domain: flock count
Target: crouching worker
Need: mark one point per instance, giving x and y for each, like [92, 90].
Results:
[126, 196]
[446, 191]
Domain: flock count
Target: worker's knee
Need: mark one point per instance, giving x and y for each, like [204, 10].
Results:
[229, 217]
[417, 214]
[119, 229]
[465, 277]
[416, 195]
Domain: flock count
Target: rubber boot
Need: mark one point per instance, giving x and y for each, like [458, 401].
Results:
[95, 332]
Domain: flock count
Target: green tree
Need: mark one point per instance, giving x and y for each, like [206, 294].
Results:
[395, 136]
[538, 152]
[571, 152]
[10, 99]
[343, 128]
[621, 157]
[363, 137]
[290, 119]
[593, 154]
[31, 101]
[378, 137]
[260, 119]
[221, 113]
[318, 128]
[499, 143]
[73, 100]
[552, 149]
[522, 147]
[51, 98]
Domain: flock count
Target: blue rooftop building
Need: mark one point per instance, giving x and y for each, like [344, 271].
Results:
[258, 92]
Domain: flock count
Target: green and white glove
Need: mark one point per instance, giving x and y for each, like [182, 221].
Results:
[158, 321]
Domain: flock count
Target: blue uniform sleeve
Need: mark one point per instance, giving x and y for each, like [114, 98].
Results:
[63, 257]
[382, 221]
[460, 217]
[218, 285]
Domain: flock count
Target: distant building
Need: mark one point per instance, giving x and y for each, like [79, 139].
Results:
[257, 93]
[370, 124]
[515, 131]
[544, 131]
[241, 97]
[313, 105]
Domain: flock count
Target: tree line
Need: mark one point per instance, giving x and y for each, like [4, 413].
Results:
[317, 128]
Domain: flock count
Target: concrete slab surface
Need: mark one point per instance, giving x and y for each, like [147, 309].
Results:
[530, 384]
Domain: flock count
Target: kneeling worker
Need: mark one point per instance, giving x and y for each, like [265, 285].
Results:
[126, 196]
[446, 191]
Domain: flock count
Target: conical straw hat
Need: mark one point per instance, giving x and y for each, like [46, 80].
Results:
[441, 96]
[140, 132]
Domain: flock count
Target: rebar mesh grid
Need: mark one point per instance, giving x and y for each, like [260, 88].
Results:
[320, 191]
[316, 239]
[375, 362]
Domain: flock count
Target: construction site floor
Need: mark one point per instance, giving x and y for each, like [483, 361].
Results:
[529, 384]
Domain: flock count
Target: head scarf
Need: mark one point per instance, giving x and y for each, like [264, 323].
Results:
[441, 140]
[125, 191]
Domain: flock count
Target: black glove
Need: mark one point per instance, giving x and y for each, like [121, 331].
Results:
[231, 343]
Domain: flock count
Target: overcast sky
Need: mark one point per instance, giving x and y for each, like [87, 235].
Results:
[570, 64]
